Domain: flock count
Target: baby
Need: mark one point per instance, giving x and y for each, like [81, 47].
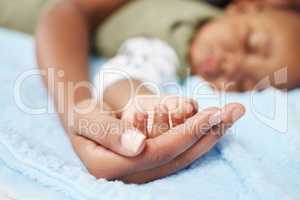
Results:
[234, 51]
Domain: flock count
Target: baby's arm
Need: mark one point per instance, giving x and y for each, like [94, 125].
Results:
[132, 81]
[141, 67]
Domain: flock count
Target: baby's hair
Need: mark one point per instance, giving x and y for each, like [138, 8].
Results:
[244, 6]
[293, 8]
[219, 3]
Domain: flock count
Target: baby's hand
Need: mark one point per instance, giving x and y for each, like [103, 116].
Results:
[154, 115]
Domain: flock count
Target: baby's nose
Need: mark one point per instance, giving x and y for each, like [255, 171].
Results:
[209, 66]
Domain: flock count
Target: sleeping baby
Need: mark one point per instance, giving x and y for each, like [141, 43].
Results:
[234, 51]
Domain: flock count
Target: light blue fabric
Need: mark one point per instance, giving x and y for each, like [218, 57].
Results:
[257, 159]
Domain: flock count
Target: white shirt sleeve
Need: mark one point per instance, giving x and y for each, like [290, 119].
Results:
[145, 59]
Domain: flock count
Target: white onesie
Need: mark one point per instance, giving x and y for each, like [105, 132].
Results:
[148, 60]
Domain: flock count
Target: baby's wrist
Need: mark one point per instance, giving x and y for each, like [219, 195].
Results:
[120, 94]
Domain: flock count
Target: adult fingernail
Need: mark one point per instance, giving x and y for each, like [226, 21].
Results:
[215, 119]
[133, 140]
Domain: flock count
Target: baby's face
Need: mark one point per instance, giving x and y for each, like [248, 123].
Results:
[244, 48]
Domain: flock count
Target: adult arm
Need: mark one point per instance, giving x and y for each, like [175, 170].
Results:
[62, 39]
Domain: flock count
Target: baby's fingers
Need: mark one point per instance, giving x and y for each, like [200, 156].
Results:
[141, 121]
[181, 109]
[160, 123]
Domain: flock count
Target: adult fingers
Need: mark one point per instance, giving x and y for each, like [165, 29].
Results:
[162, 149]
[180, 162]
[189, 156]
[100, 162]
[166, 147]
[104, 163]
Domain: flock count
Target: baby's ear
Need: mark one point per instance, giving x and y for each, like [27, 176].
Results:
[244, 6]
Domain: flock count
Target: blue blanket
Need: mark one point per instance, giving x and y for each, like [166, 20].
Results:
[257, 159]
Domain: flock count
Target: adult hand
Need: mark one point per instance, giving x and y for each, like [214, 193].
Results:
[163, 155]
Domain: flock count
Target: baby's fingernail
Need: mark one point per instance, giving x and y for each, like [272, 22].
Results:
[164, 109]
[237, 113]
[195, 105]
[133, 140]
[189, 108]
[140, 116]
[161, 109]
[177, 114]
[215, 119]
